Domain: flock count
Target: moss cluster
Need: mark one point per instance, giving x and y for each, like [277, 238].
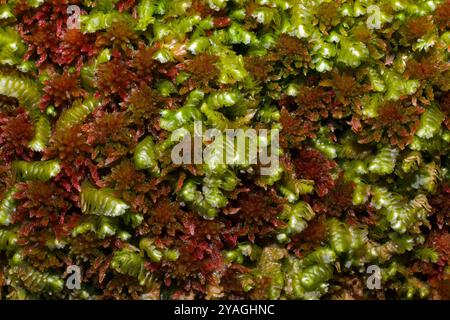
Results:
[92, 94]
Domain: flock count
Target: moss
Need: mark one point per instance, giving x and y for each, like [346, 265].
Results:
[89, 118]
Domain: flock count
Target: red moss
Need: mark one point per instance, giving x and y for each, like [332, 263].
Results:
[90, 248]
[200, 255]
[425, 68]
[122, 287]
[416, 28]
[259, 67]
[43, 41]
[20, 7]
[327, 13]
[110, 135]
[295, 129]
[222, 22]
[199, 244]
[164, 217]
[6, 178]
[145, 104]
[131, 185]
[198, 241]
[292, 53]
[69, 145]
[119, 36]
[396, 124]
[125, 5]
[15, 133]
[441, 287]
[310, 238]
[258, 213]
[62, 90]
[231, 282]
[115, 77]
[93, 255]
[287, 45]
[124, 176]
[143, 62]
[440, 241]
[441, 15]
[362, 33]
[74, 47]
[346, 93]
[42, 30]
[199, 7]
[440, 203]
[42, 207]
[444, 104]
[107, 127]
[312, 103]
[203, 70]
[313, 165]
[338, 200]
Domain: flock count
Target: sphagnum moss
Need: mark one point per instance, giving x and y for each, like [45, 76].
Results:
[89, 116]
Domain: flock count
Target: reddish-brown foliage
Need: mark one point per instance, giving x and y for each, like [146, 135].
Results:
[198, 242]
[440, 203]
[119, 36]
[415, 28]
[69, 145]
[6, 177]
[425, 67]
[42, 207]
[295, 129]
[125, 5]
[74, 47]
[143, 62]
[199, 7]
[131, 184]
[291, 46]
[327, 13]
[164, 218]
[42, 30]
[310, 238]
[292, 52]
[312, 103]
[145, 104]
[258, 213]
[62, 90]
[111, 136]
[442, 15]
[312, 164]
[115, 77]
[338, 200]
[444, 104]
[259, 67]
[203, 70]
[440, 241]
[396, 124]
[15, 133]
[346, 92]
